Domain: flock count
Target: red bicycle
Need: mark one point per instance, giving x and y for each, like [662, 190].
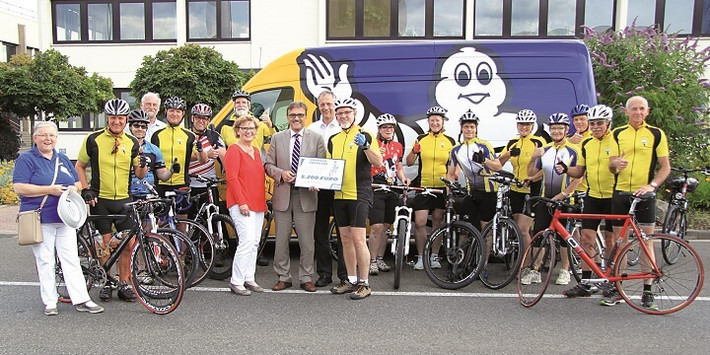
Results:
[673, 286]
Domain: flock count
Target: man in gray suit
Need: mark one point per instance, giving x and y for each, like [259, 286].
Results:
[292, 205]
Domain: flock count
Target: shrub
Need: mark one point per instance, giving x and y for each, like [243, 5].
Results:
[7, 195]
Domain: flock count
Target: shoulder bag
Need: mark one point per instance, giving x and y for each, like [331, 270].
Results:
[29, 224]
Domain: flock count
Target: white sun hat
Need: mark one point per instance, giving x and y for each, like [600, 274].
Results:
[72, 209]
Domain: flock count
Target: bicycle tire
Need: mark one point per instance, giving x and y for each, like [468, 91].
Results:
[462, 263]
[402, 238]
[674, 224]
[225, 246]
[187, 252]
[575, 261]
[204, 243]
[541, 247]
[333, 238]
[499, 272]
[160, 260]
[677, 286]
[85, 260]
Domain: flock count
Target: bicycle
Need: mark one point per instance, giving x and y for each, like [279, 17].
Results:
[503, 238]
[402, 225]
[151, 254]
[463, 247]
[676, 222]
[575, 227]
[673, 286]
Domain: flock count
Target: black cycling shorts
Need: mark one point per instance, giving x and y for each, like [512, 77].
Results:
[594, 205]
[382, 210]
[428, 202]
[104, 207]
[517, 202]
[477, 206]
[351, 213]
[645, 210]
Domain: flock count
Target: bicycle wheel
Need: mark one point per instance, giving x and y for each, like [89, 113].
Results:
[402, 238]
[333, 239]
[501, 269]
[187, 252]
[675, 224]
[204, 243]
[461, 262]
[674, 289]
[575, 261]
[85, 260]
[634, 254]
[224, 233]
[537, 267]
[157, 257]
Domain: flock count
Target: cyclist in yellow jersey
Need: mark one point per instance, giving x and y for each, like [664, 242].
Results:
[178, 145]
[641, 148]
[593, 165]
[580, 121]
[361, 152]
[112, 154]
[433, 150]
[242, 106]
[519, 152]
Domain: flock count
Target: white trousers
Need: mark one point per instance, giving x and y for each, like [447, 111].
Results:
[63, 238]
[249, 232]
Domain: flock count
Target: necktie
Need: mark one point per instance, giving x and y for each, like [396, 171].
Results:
[296, 154]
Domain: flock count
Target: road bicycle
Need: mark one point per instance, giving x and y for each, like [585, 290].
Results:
[151, 254]
[673, 286]
[463, 247]
[503, 238]
[402, 224]
[676, 221]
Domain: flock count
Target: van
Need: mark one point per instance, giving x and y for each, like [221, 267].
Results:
[492, 78]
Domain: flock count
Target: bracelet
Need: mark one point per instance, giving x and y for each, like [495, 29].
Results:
[654, 184]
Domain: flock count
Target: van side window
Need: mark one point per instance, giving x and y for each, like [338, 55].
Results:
[276, 100]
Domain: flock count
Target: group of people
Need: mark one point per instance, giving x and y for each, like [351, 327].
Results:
[135, 147]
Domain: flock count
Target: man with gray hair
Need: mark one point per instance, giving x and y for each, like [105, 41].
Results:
[150, 104]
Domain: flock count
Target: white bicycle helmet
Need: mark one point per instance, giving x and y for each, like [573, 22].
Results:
[116, 107]
[241, 93]
[559, 118]
[346, 102]
[468, 116]
[437, 110]
[202, 110]
[600, 112]
[526, 116]
[384, 119]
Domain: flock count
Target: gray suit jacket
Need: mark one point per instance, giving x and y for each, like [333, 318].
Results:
[278, 159]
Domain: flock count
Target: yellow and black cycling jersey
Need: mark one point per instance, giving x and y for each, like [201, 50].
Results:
[263, 133]
[527, 146]
[641, 147]
[434, 158]
[111, 160]
[587, 134]
[594, 156]
[177, 145]
[356, 177]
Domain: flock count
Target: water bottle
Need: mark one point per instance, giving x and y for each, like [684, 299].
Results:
[99, 242]
[116, 239]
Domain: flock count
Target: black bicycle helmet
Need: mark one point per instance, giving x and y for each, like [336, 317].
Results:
[176, 103]
[138, 115]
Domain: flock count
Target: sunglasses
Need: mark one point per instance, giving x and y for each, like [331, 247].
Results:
[138, 125]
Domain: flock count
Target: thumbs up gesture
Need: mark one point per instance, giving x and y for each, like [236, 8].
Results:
[620, 162]
[560, 166]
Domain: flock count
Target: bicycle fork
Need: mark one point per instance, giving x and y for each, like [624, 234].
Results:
[402, 213]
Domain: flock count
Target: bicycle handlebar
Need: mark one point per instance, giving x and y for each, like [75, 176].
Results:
[404, 188]
[503, 177]
[560, 204]
[208, 180]
[685, 171]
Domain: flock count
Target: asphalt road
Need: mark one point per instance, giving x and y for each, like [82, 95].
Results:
[418, 318]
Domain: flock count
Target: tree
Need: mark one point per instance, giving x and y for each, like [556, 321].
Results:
[9, 139]
[48, 83]
[194, 73]
[666, 70]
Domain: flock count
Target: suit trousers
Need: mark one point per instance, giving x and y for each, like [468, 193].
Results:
[63, 238]
[324, 261]
[294, 217]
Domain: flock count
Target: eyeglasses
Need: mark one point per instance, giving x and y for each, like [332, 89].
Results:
[344, 113]
[248, 128]
[387, 127]
[138, 125]
[46, 135]
[296, 115]
[203, 118]
[597, 123]
[116, 144]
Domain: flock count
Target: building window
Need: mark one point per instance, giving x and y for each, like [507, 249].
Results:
[678, 17]
[561, 17]
[88, 21]
[218, 20]
[599, 14]
[369, 19]
[132, 21]
[525, 18]
[488, 18]
[643, 12]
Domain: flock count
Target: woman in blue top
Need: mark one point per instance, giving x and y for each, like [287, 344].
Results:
[32, 180]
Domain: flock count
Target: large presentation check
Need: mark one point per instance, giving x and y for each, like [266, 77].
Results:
[326, 174]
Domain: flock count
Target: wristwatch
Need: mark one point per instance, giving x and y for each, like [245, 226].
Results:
[366, 146]
[654, 184]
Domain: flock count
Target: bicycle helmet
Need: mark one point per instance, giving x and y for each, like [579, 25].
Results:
[176, 103]
[437, 110]
[202, 110]
[526, 116]
[116, 107]
[241, 93]
[138, 115]
[600, 112]
[468, 116]
[559, 118]
[346, 102]
[580, 109]
[384, 119]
